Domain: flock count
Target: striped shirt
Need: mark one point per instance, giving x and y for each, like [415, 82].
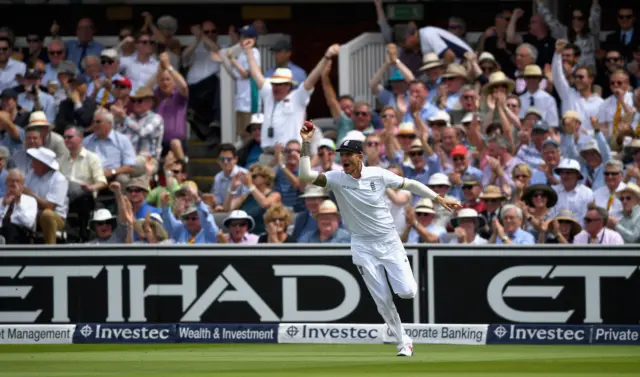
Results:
[290, 195]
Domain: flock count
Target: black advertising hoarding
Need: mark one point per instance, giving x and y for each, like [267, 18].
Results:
[188, 284]
[532, 285]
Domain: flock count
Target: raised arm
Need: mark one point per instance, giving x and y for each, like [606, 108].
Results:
[314, 76]
[254, 68]
[330, 94]
[304, 172]
[385, 29]
[512, 36]
[558, 30]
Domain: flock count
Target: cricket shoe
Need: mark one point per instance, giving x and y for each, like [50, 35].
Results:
[406, 351]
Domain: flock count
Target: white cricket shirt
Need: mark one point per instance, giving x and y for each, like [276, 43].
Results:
[362, 201]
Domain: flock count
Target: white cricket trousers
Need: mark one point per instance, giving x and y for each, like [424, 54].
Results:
[381, 259]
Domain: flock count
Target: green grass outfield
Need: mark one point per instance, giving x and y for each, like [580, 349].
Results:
[306, 360]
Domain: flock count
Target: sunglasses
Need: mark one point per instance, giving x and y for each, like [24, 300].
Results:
[291, 150]
[99, 223]
[590, 220]
[373, 144]
[438, 124]
[578, 18]
[468, 98]
[138, 101]
[565, 222]
[4, 49]
[625, 16]
[385, 116]
[450, 78]
[407, 136]
[539, 195]
[453, 27]
[361, 113]
[241, 224]
[416, 154]
[210, 31]
[120, 86]
[277, 219]
[611, 173]
[135, 190]
[625, 198]
[492, 200]
[33, 40]
[106, 61]
[579, 77]
[459, 158]
[190, 218]
[467, 187]
[176, 172]
[225, 159]
[439, 186]
[614, 59]
[487, 68]
[520, 176]
[69, 137]
[422, 214]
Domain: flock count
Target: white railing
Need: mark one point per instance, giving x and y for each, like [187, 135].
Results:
[228, 88]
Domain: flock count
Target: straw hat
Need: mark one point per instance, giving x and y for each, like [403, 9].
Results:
[44, 155]
[156, 227]
[567, 215]
[327, 208]
[571, 114]
[431, 60]
[532, 70]
[406, 128]
[38, 119]
[455, 70]
[496, 79]
[143, 92]
[552, 196]
[425, 206]
[492, 192]
[282, 76]
[632, 188]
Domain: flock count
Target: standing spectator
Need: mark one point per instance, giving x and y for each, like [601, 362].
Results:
[595, 230]
[466, 225]
[9, 68]
[629, 225]
[328, 226]
[445, 44]
[535, 96]
[49, 188]
[144, 127]
[538, 36]
[586, 36]
[20, 159]
[84, 46]
[305, 221]
[197, 226]
[172, 96]
[141, 66]
[613, 61]
[399, 80]
[19, 210]
[494, 41]
[228, 161]
[110, 67]
[277, 219]
[239, 226]
[282, 54]
[625, 37]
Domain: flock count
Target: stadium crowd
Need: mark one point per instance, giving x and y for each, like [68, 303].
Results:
[536, 134]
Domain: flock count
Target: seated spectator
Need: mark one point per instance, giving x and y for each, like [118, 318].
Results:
[593, 155]
[507, 230]
[20, 159]
[277, 219]
[114, 149]
[122, 105]
[572, 195]
[5, 158]
[16, 116]
[228, 159]
[32, 96]
[49, 187]
[305, 222]
[461, 167]
[19, 211]
[286, 180]
[327, 157]
[83, 170]
[521, 175]
[137, 190]
[175, 174]
[197, 226]
[328, 226]
[471, 190]
[629, 225]
[595, 229]
[239, 226]
[50, 139]
[605, 196]
[144, 128]
[10, 67]
[100, 89]
[493, 199]
[420, 227]
[107, 228]
[151, 230]
[563, 227]
[282, 55]
[172, 95]
[539, 199]
[424, 162]
[250, 153]
[466, 225]
[440, 183]
[259, 181]
[76, 109]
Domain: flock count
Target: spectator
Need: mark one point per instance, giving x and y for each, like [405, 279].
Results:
[507, 230]
[228, 160]
[5, 158]
[19, 210]
[305, 221]
[397, 200]
[328, 227]
[493, 199]
[239, 226]
[122, 104]
[539, 200]
[532, 150]
[277, 219]
[625, 36]
[84, 46]
[35, 50]
[471, 185]
[628, 226]
[282, 54]
[56, 52]
[49, 188]
[175, 174]
[327, 156]
[137, 190]
[398, 81]
[11, 135]
[197, 226]
[593, 155]
[144, 128]
[51, 140]
[10, 106]
[260, 197]
[619, 103]
[595, 231]
[109, 229]
[605, 196]
[538, 36]
[141, 66]
[34, 99]
[461, 166]
[613, 61]
[535, 96]
[10, 67]
[20, 159]
[466, 225]
[564, 228]
[286, 180]
[78, 108]
[151, 230]
[440, 183]
[450, 91]
[420, 227]
[250, 153]
[432, 68]
[445, 44]
[572, 195]
[114, 148]
[100, 90]
[419, 105]
[172, 96]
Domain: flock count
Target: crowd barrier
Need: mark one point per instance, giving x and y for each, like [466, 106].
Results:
[317, 333]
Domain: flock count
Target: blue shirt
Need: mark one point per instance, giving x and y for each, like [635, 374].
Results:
[179, 233]
[13, 145]
[414, 236]
[3, 182]
[340, 236]
[433, 166]
[114, 151]
[596, 176]
[254, 155]
[92, 86]
[144, 208]
[519, 237]
[299, 75]
[456, 191]
[74, 51]
[221, 184]
[46, 100]
[427, 111]
[50, 74]
[290, 195]
[8, 74]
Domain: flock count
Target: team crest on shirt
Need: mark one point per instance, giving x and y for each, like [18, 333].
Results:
[373, 186]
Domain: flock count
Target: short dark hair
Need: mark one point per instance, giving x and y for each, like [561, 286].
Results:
[418, 82]
[79, 130]
[183, 165]
[346, 96]
[590, 71]
[227, 147]
[8, 40]
[575, 48]
[142, 34]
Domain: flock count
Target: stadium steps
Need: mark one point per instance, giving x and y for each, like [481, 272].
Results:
[203, 162]
[204, 182]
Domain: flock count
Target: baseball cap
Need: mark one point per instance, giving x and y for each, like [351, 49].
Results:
[353, 146]
[459, 150]
[33, 74]
[67, 67]
[327, 143]
[281, 45]
[124, 81]
[109, 53]
[471, 179]
[550, 141]
[541, 125]
[9, 93]
[249, 31]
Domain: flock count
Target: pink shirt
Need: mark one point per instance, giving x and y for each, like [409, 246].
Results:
[247, 239]
[605, 237]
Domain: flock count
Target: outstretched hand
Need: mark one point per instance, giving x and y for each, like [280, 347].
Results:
[307, 130]
[448, 204]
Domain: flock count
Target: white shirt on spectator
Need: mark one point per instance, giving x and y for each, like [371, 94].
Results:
[575, 200]
[572, 100]
[53, 186]
[284, 116]
[138, 72]
[544, 102]
[476, 241]
[8, 74]
[243, 86]
[602, 196]
[200, 64]
[434, 39]
[607, 110]
[24, 213]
